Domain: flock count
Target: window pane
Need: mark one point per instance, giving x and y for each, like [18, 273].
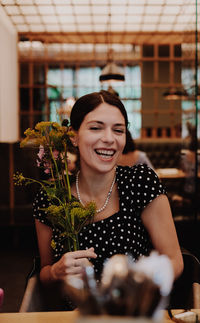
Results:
[177, 50]
[24, 124]
[24, 99]
[68, 77]
[177, 74]
[148, 99]
[24, 73]
[88, 76]
[54, 75]
[39, 99]
[163, 50]
[148, 50]
[38, 74]
[133, 79]
[133, 109]
[85, 90]
[54, 93]
[163, 76]
[148, 72]
[54, 108]
[67, 92]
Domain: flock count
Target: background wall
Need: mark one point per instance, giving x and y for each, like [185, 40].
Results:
[8, 81]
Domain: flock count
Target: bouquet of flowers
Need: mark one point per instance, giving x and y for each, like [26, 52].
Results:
[64, 211]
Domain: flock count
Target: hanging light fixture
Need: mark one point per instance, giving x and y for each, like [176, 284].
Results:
[111, 72]
[174, 93]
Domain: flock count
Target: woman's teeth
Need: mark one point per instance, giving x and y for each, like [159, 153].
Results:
[105, 153]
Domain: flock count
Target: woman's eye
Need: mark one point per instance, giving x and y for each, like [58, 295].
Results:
[94, 128]
[119, 130]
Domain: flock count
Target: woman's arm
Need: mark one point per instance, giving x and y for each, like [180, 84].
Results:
[157, 218]
[71, 263]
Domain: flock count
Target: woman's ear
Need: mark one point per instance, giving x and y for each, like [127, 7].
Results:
[74, 139]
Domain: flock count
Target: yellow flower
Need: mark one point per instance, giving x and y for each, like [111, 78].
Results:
[63, 212]
[19, 179]
[55, 210]
[43, 125]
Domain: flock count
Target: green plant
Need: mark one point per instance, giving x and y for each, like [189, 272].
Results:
[64, 210]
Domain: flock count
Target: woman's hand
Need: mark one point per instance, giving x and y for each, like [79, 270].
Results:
[72, 263]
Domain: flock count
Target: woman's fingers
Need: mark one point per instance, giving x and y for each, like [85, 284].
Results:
[75, 265]
[72, 263]
[82, 262]
[89, 253]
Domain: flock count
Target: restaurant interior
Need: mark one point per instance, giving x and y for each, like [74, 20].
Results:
[147, 52]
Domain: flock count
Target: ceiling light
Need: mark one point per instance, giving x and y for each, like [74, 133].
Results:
[112, 73]
[175, 94]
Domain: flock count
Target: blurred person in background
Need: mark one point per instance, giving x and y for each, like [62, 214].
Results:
[132, 156]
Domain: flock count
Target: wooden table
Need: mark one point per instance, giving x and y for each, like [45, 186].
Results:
[170, 173]
[57, 317]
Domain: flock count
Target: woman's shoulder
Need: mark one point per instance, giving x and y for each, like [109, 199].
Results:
[135, 169]
[139, 175]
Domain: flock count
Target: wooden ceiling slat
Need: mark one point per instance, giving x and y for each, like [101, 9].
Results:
[100, 38]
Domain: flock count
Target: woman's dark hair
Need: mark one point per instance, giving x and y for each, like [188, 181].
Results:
[130, 145]
[89, 102]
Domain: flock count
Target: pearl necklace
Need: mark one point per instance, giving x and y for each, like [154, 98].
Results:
[107, 198]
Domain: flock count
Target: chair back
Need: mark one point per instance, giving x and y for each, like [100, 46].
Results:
[40, 298]
[186, 290]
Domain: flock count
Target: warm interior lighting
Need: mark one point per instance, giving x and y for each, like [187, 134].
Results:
[175, 94]
[111, 73]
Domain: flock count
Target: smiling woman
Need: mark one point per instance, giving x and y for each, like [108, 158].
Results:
[100, 138]
[133, 213]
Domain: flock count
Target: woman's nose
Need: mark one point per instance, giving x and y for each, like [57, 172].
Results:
[108, 136]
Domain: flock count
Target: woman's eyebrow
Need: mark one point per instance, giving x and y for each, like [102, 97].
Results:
[120, 125]
[95, 121]
[101, 123]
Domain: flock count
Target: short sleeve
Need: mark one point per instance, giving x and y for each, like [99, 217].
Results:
[138, 185]
[146, 186]
[39, 204]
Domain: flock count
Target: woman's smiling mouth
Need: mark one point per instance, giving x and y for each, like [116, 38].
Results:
[105, 153]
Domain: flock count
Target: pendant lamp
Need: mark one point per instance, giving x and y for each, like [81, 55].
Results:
[111, 72]
[176, 94]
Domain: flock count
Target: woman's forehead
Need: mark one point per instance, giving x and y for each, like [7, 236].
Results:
[105, 112]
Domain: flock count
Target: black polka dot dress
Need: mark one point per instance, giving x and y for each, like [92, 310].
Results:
[122, 232]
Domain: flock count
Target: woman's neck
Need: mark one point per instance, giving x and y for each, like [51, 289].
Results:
[95, 187]
[94, 182]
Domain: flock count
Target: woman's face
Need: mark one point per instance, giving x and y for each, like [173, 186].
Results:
[101, 138]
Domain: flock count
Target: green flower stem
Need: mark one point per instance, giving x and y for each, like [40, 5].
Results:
[31, 180]
[68, 244]
[76, 243]
[67, 215]
[56, 166]
[52, 176]
[63, 178]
